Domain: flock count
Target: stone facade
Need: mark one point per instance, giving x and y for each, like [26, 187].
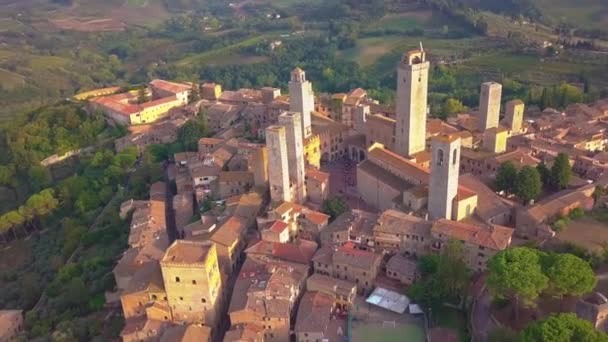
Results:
[292, 121]
[412, 91]
[514, 116]
[445, 167]
[278, 165]
[489, 105]
[302, 99]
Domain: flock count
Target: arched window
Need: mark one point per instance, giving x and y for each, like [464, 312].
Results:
[455, 157]
[440, 157]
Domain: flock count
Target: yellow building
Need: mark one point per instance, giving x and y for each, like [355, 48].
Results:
[154, 110]
[312, 151]
[495, 139]
[192, 282]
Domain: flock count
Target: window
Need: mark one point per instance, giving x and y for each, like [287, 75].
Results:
[177, 280]
[193, 282]
[203, 300]
[181, 298]
[455, 156]
[440, 157]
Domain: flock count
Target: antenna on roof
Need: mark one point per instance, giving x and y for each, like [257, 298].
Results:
[421, 48]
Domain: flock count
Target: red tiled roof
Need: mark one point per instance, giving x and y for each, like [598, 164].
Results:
[496, 237]
[278, 226]
[171, 87]
[301, 252]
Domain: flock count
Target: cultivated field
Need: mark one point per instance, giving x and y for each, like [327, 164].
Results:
[376, 332]
[586, 232]
[584, 13]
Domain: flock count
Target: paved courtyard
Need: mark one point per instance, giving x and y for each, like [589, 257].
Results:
[343, 183]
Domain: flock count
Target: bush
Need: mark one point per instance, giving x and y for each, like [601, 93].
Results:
[576, 213]
[559, 225]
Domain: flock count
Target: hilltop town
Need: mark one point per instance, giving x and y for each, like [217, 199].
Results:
[310, 217]
[242, 247]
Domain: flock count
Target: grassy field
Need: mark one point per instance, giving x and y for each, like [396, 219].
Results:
[587, 232]
[404, 333]
[453, 319]
[227, 55]
[583, 13]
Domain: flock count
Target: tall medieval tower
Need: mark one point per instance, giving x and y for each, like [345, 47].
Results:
[412, 91]
[443, 186]
[278, 167]
[301, 99]
[489, 105]
[292, 121]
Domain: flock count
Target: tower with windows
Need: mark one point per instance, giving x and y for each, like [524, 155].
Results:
[443, 186]
[411, 111]
[301, 99]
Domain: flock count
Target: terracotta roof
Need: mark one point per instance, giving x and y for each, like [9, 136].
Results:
[187, 333]
[230, 232]
[330, 285]
[316, 217]
[317, 175]
[496, 237]
[158, 102]
[314, 312]
[396, 222]
[382, 156]
[352, 256]
[187, 252]
[447, 138]
[210, 141]
[278, 226]
[170, 87]
[383, 175]
[489, 204]
[300, 252]
[402, 265]
[250, 332]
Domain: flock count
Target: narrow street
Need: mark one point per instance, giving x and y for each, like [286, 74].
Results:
[169, 212]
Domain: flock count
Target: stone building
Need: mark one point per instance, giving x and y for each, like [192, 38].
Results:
[301, 99]
[192, 281]
[278, 170]
[495, 139]
[317, 185]
[594, 308]
[514, 116]
[351, 264]
[397, 232]
[292, 121]
[412, 91]
[402, 269]
[489, 105]
[445, 167]
[315, 320]
[343, 292]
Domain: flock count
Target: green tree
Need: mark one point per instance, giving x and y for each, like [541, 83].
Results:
[428, 264]
[506, 178]
[545, 173]
[568, 275]
[195, 93]
[191, 132]
[334, 207]
[452, 106]
[561, 172]
[452, 269]
[529, 185]
[563, 327]
[516, 273]
[142, 94]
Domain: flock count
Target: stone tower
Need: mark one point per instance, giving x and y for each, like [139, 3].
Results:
[489, 105]
[192, 280]
[412, 90]
[514, 115]
[495, 139]
[278, 167]
[292, 121]
[443, 184]
[301, 99]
